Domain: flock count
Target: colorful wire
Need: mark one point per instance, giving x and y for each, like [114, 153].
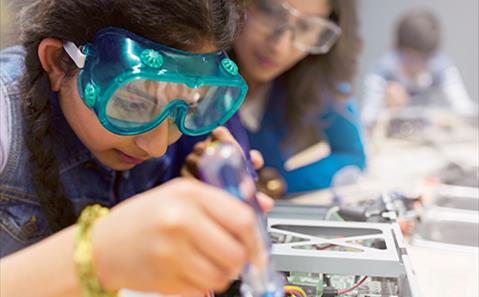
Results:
[295, 291]
[292, 293]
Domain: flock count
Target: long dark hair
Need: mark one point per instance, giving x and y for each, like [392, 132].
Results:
[307, 83]
[184, 24]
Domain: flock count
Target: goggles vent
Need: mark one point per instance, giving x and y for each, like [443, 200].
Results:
[91, 94]
[152, 58]
[229, 66]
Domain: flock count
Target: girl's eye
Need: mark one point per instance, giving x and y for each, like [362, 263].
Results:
[131, 106]
[304, 26]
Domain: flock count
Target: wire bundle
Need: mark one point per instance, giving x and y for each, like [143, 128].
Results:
[294, 291]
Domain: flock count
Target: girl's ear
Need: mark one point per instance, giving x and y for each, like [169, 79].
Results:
[50, 51]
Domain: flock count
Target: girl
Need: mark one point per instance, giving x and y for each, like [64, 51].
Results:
[89, 107]
[298, 58]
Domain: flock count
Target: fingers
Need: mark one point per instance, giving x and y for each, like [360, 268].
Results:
[223, 135]
[187, 289]
[202, 275]
[256, 159]
[221, 249]
[190, 169]
[220, 134]
[396, 95]
[186, 172]
[236, 217]
[200, 147]
[265, 201]
[191, 165]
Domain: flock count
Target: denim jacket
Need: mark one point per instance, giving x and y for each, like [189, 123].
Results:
[85, 180]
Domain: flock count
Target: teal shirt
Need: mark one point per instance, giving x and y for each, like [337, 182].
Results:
[337, 123]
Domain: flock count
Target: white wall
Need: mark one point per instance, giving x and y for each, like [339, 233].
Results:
[460, 33]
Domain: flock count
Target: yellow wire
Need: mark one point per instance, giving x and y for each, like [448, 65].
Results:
[296, 288]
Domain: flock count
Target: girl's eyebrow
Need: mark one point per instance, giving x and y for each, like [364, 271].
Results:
[139, 92]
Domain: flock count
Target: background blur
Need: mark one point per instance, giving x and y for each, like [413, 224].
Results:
[8, 27]
[460, 26]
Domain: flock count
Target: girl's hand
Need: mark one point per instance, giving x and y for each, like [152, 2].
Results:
[220, 134]
[184, 237]
[223, 135]
[395, 95]
[256, 159]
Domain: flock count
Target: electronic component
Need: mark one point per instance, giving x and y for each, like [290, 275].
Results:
[339, 258]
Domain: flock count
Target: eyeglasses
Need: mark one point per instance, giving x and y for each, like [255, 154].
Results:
[312, 34]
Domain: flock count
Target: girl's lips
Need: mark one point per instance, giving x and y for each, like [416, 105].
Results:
[129, 159]
[266, 63]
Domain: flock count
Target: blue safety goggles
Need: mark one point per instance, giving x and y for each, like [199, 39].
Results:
[133, 84]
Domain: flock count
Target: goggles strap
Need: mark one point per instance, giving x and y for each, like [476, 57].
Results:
[75, 53]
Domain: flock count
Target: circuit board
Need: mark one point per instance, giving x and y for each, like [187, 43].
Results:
[313, 283]
[345, 259]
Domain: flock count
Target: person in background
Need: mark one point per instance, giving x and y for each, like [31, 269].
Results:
[299, 59]
[92, 109]
[416, 73]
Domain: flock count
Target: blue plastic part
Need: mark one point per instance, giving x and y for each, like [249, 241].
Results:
[91, 94]
[152, 58]
[117, 57]
[85, 49]
[230, 66]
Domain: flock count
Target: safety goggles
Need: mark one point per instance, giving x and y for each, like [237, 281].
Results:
[133, 84]
[312, 34]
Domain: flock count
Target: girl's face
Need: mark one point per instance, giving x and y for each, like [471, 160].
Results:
[115, 151]
[263, 56]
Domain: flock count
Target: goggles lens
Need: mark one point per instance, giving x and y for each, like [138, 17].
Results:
[141, 102]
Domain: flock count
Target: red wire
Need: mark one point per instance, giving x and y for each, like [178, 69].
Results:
[327, 246]
[340, 292]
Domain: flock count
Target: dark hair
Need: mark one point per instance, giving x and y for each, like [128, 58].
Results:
[317, 76]
[184, 24]
[419, 30]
